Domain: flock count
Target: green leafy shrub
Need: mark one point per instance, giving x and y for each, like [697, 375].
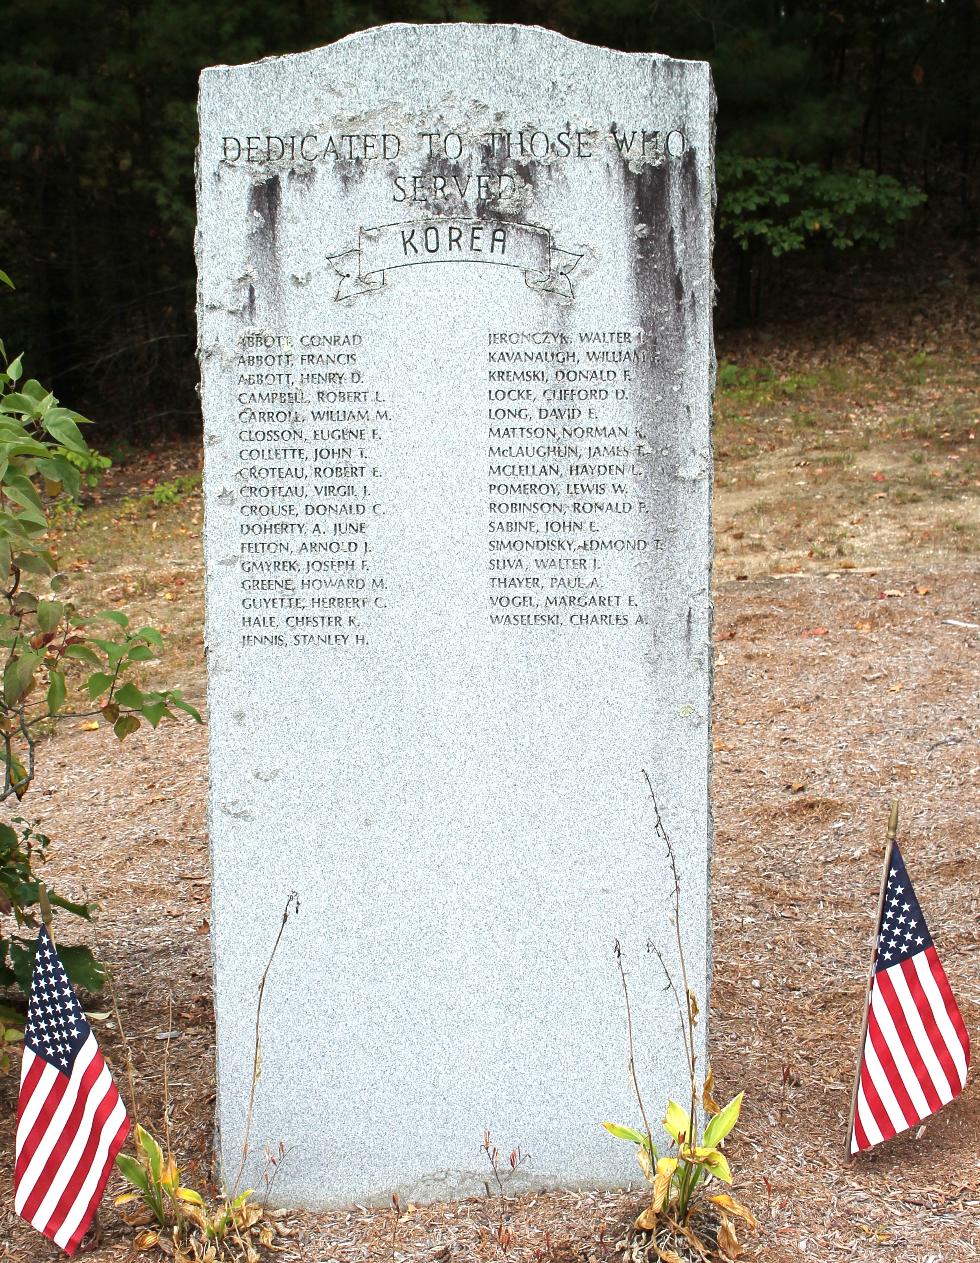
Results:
[55, 661]
[20, 897]
[91, 464]
[782, 207]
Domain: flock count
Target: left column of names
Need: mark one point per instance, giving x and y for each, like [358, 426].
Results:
[309, 431]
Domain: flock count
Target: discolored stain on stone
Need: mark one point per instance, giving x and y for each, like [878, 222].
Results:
[264, 200]
[236, 810]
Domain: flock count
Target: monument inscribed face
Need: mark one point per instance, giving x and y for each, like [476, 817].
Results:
[455, 338]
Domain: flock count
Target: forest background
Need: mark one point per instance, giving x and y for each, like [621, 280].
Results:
[841, 126]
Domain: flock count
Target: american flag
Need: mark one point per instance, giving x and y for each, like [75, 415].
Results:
[71, 1122]
[916, 1051]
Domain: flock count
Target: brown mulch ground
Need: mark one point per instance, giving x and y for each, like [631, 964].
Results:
[814, 734]
[839, 686]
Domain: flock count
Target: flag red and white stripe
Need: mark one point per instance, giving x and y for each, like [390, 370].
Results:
[71, 1121]
[916, 1050]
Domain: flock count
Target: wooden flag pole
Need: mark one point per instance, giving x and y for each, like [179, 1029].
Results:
[45, 902]
[889, 847]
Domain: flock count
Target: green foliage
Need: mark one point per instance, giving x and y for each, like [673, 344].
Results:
[91, 464]
[11, 1034]
[97, 140]
[185, 1225]
[51, 653]
[175, 490]
[56, 662]
[784, 207]
[21, 849]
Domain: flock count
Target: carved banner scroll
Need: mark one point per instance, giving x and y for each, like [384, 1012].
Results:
[460, 240]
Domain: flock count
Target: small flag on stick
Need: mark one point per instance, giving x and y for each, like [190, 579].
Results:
[915, 1048]
[71, 1122]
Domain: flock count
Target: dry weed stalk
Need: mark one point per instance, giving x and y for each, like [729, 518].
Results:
[669, 1229]
[177, 1219]
[515, 1160]
[292, 902]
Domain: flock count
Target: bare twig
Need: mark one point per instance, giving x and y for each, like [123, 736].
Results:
[652, 947]
[396, 1211]
[127, 1048]
[516, 1160]
[687, 1027]
[890, 839]
[257, 1054]
[617, 949]
[166, 1072]
[276, 1164]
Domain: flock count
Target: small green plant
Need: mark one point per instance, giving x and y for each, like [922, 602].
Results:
[163, 495]
[692, 1160]
[693, 1156]
[178, 1219]
[175, 490]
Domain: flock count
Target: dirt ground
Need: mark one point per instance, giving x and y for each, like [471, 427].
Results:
[847, 639]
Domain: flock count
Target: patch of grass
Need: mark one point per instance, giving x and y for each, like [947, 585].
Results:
[841, 460]
[173, 491]
[964, 536]
[745, 380]
[810, 431]
[751, 384]
[795, 383]
[148, 556]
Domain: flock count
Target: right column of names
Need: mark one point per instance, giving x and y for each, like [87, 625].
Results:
[566, 477]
